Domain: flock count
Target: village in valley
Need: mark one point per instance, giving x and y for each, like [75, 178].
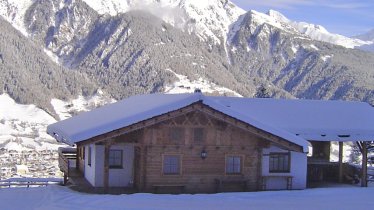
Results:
[29, 163]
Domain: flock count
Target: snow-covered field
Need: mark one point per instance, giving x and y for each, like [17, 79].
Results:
[58, 198]
[22, 127]
[185, 85]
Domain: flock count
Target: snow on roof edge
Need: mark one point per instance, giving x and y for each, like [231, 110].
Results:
[57, 131]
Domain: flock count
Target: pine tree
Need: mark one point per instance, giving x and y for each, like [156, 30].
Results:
[262, 92]
[355, 154]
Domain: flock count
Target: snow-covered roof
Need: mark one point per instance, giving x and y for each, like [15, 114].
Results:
[118, 115]
[293, 120]
[322, 120]
[142, 107]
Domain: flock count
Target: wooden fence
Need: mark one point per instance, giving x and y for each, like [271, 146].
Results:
[29, 182]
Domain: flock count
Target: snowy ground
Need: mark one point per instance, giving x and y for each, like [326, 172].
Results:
[185, 85]
[57, 197]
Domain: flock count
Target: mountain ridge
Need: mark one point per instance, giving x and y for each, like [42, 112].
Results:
[65, 57]
[113, 51]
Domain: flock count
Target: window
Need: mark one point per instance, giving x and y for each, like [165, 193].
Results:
[176, 134]
[198, 135]
[233, 165]
[89, 156]
[171, 165]
[115, 158]
[279, 162]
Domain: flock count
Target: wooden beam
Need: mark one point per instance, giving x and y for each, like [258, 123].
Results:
[65, 178]
[142, 168]
[364, 165]
[137, 167]
[77, 158]
[340, 162]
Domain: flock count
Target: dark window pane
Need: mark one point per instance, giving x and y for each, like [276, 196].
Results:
[89, 156]
[171, 164]
[233, 164]
[115, 158]
[279, 162]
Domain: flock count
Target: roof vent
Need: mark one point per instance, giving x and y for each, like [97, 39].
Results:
[197, 90]
[344, 136]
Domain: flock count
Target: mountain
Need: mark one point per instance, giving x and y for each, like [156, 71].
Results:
[318, 32]
[303, 67]
[125, 50]
[29, 76]
[369, 36]
[54, 52]
[14, 11]
[209, 19]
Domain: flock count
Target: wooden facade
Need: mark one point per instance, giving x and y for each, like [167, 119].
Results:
[196, 173]
[185, 134]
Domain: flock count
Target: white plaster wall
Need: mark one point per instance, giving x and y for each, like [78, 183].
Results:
[117, 177]
[89, 171]
[298, 169]
[99, 166]
[123, 177]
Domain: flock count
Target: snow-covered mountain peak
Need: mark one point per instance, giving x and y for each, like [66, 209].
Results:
[212, 18]
[272, 18]
[14, 11]
[278, 16]
[209, 19]
[318, 32]
[112, 7]
[314, 31]
[368, 36]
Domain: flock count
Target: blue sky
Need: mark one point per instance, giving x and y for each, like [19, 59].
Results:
[346, 17]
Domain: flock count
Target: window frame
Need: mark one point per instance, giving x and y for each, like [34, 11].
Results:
[279, 169]
[179, 171]
[241, 163]
[115, 166]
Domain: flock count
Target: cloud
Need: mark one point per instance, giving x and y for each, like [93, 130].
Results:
[173, 15]
[348, 5]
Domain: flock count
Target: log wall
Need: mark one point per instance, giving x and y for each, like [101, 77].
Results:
[197, 175]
